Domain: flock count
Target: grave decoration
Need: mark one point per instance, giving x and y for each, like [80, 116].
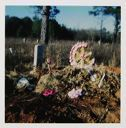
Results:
[81, 92]
[47, 85]
[80, 57]
[25, 83]
[75, 93]
[22, 83]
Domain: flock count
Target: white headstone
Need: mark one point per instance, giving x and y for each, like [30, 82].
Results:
[99, 42]
[38, 55]
[24, 40]
[11, 50]
[37, 40]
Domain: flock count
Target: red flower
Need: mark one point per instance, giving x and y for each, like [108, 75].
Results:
[48, 92]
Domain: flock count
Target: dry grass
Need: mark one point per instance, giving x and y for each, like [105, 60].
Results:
[108, 54]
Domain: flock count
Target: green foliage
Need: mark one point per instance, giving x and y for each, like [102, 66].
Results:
[16, 27]
[53, 11]
[36, 27]
[12, 24]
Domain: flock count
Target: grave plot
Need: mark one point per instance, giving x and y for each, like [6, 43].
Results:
[82, 92]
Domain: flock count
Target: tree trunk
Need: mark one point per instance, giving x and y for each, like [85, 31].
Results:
[45, 24]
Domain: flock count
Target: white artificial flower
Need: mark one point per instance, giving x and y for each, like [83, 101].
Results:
[75, 93]
[78, 92]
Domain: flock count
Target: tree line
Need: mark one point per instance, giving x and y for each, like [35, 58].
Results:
[31, 28]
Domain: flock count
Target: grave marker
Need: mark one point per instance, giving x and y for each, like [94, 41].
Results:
[38, 55]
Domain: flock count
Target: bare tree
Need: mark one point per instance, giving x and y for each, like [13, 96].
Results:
[44, 25]
[46, 13]
[114, 11]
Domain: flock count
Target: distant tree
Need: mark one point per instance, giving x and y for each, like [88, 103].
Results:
[7, 18]
[54, 30]
[114, 11]
[81, 35]
[46, 13]
[12, 25]
[98, 11]
[16, 27]
[36, 27]
[27, 26]
[93, 35]
[59, 32]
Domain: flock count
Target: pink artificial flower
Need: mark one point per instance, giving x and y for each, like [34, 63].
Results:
[48, 92]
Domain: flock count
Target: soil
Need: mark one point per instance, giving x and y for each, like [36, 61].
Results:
[96, 105]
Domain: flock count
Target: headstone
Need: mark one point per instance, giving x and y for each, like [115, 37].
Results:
[38, 55]
[99, 42]
[24, 40]
[11, 50]
[37, 41]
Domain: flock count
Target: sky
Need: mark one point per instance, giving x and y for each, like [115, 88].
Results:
[75, 17]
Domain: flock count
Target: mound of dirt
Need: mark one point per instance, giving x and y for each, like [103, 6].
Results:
[96, 105]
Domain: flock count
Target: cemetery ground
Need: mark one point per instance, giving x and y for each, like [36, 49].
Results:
[95, 105]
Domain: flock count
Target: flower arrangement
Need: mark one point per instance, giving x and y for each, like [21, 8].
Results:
[79, 57]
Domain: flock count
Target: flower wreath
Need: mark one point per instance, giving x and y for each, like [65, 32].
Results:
[79, 57]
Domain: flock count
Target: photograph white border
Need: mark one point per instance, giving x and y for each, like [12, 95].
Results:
[121, 3]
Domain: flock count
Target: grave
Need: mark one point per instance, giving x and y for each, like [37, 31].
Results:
[38, 55]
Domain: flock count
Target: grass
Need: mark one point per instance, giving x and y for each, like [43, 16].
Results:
[107, 54]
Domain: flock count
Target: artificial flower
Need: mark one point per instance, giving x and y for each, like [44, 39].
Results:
[75, 93]
[83, 55]
[48, 92]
